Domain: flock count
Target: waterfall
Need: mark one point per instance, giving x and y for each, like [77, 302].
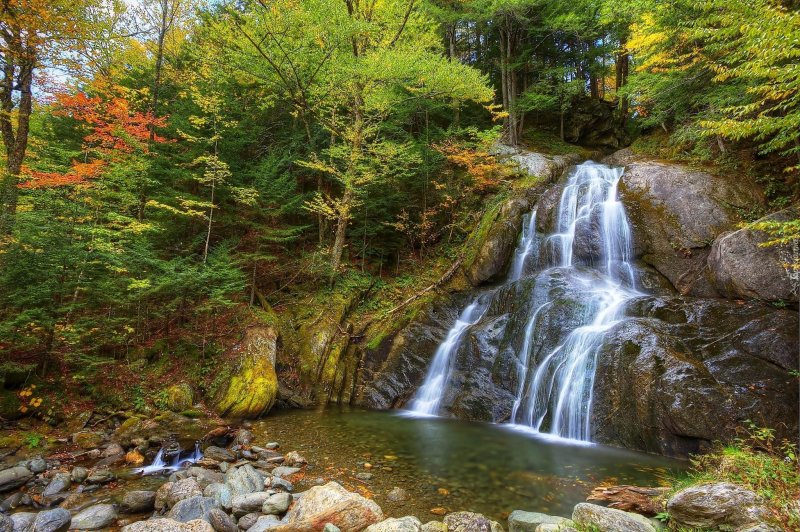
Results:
[589, 253]
[429, 396]
[178, 461]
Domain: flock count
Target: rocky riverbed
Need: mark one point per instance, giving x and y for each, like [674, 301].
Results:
[244, 481]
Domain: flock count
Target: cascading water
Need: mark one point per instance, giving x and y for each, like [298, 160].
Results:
[429, 396]
[557, 357]
[177, 461]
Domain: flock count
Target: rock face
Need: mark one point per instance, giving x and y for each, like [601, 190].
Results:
[397, 524]
[592, 122]
[689, 371]
[520, 521]
[716, 506]
[742, 268]
[470, 522]
[494, 240]
[609, 519]
[677, 213]
[252, 390]
[332, 503]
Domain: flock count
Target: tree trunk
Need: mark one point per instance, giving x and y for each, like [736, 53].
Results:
[16, 143]
[341, 231]
[621, 79]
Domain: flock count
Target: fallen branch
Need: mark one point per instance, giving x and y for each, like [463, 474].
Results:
[443, 279]
[637, 499]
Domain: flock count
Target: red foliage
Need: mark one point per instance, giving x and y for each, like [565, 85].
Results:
[115, 129]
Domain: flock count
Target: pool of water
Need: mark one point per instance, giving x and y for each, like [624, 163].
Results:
[453, 464]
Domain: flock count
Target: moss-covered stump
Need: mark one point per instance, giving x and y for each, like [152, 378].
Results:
[253, 388]
[179, 397]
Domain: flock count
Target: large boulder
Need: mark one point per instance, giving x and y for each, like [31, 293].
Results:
[687, 372]
[331, 503]
[493, 241]
[169, 525]
[720, 505]
[193, 508]
[138, 501]
[253, 388]
[95, 517]
[397, 524]
[594, 517]
[520, 521]
[676, 213]
[53, 520]
[742, 267]
[14, 477]
[179, 397]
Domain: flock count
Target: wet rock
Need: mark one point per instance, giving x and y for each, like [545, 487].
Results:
[138, 501]
[332, 503]
[283, 471]
[252, 391]
[276, 504]
[169, 525]
[677, 213]
[206, 476]
[95, 517]
[192, 508]
[470, 522]
[58, 484]
[221, 521]
[220, 492]
[294, 459]
[79, 474]
[741, 267]
[219, 454]
[397, 494]
[548, 167]
[37, 465]
[364, 476]
[520, 521]
[718, 505]
[250, 502]
[22, 521]
[53, 520]
[397, 524]
[247, 521]
[16, 500]
[113, 450]
[609, 519]
[100, 476]
[689, 372]
[87, 439]
[243, 437]
[14, 477]
[494, 240]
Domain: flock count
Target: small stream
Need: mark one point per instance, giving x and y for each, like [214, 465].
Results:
[454, 464]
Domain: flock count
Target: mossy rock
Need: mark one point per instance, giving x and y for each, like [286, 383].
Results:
[253, 388]
[87, 440]
[179, 397]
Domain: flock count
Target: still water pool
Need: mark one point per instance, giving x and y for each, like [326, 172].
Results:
[453, 464]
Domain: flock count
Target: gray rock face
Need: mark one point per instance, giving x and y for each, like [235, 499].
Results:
[221, 521]
[677, 213]
[53, 520]
[470, 522]
[138, 501]
[277, 504]
[79, 474]
[244, 480]
[14, 477]
[168, 525]
[332, 503]
[716, 506]
[6, 524]
[192, 508]
[283, 471]
[520, 521]
[741, 267]
[37, 465]
[247, 521]
[95, 517]
[182, 489]
[688, 372]
[397, 524]
[265, 522]
[609, 519]
[220, 492]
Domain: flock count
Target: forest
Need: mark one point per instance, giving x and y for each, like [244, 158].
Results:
[168, 162]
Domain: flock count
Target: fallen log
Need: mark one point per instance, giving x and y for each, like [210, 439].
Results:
[645, 501]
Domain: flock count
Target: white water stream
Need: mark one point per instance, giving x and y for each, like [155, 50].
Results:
[554, 392]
